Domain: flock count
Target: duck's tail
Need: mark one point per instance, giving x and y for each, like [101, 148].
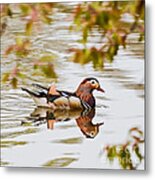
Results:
[39, 97]
[31, 92]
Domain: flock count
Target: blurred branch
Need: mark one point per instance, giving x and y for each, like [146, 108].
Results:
[31, 15]
[107, 19]
[127, 152]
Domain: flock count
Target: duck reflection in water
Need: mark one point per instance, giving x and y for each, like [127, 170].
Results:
[83, 119]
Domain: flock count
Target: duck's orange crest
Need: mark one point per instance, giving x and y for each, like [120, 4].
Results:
[53, 90]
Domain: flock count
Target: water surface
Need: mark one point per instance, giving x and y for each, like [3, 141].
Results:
[34, 137]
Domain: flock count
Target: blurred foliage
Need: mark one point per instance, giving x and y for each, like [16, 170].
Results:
[33, 16]
[18, 72]
[128, 154]
[46, 66]
[21, 47]
[106, 19]
[13, 76]
[30, 13]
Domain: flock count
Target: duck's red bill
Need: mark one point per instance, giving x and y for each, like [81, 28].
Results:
[100, 89]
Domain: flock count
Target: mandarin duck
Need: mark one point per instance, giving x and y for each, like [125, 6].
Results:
[82, 98]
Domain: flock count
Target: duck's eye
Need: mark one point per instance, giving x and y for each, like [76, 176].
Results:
[92, 133]
[93, 82]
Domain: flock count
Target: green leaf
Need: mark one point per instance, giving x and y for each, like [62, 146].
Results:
[48, 70]
[6, 77]
[19, 41]
[9, 11]
[137, 151]
[85, 35]
[111, 153]
[25, 9]
[124, 157]
[14, 82]
[47, 58]
[46, 19]
[28, 28]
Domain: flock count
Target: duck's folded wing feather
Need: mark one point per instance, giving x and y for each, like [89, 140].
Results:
[66, 93]
[74, 101]
[65, 100]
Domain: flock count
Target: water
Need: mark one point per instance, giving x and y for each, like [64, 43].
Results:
[61, 139]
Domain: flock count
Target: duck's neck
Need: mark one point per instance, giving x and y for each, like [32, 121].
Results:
[86, 95]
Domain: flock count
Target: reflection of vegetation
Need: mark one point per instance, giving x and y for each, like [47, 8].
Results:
[70, 140]
[60, 162]
[135, 86]
[128, 154]
[106, 19]
[2, 163]
[6, 144]
[32, 16]
[15, 134]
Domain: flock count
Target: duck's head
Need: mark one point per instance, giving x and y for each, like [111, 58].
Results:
[90, 84]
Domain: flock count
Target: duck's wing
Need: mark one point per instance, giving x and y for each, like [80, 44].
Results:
[75, 101]
[71, 99]
[65, 100]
